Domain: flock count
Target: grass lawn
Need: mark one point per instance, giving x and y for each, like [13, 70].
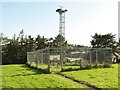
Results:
[55, 68]
[100, 78]
[20, 76]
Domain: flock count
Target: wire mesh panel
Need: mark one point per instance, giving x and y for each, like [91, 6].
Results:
[53, 59]
[49, 59]
[86, 56]
[39, 58]
[72, 60]
[97, 55]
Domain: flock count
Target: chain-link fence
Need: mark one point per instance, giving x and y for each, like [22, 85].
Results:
[93, 55]
[47, 59]
[55, 59]
[39, 58]
[97, 55]
[88, 56]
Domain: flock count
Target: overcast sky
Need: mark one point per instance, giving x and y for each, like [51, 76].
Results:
[83, 18]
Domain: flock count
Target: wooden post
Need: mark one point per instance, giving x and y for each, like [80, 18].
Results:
[96, 56]
[36, 59]
[61, 58]
[81, 60]
[48, 56]
[104, 57]
[90, 56]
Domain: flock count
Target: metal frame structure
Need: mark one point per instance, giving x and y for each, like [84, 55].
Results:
[61, 21]
[61, 31]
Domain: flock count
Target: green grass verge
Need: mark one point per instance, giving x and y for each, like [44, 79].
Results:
[100, 78]
[20, 76]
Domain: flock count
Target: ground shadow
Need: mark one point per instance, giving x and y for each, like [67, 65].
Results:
[23, 71]
[35, 69]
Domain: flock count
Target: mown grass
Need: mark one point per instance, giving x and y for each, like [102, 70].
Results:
[100, 78]
[54, 67]
[20, 76]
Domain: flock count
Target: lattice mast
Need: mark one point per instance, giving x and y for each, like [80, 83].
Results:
[61, 21]
[61, 31]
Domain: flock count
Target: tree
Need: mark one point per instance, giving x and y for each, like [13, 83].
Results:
[10, 52]
[3, 39]
[40, 42]
[50, 42]
[14, 50]
[59, 40]
[30, 44]
[103, 41]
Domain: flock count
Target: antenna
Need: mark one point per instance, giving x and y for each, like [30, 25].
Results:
[61, 21]
[61, 31]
